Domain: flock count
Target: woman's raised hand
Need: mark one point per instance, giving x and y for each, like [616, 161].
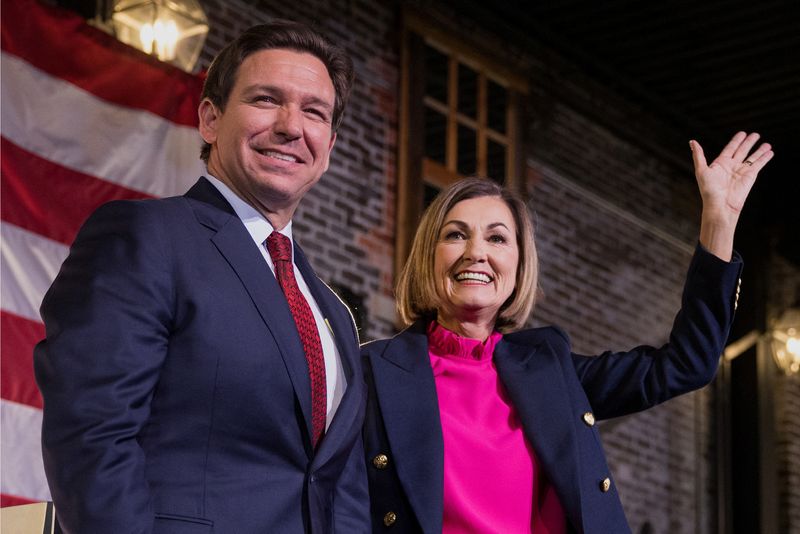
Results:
[724, 186]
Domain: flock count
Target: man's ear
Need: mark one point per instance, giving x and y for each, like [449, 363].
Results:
[328, 155]
[209, 116]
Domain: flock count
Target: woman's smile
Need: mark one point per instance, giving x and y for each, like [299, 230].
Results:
[475, 260]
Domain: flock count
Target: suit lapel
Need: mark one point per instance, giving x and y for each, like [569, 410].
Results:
[340, 324]
[331, 307]
[410, 409]
[237, 247]
[534, 380]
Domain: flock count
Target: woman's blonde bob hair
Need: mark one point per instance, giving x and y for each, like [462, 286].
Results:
[416, 287]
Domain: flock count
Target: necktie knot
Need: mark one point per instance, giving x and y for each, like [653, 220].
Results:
[279, 247]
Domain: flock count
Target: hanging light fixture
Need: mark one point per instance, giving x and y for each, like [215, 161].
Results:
[785, 340]
[171, 30]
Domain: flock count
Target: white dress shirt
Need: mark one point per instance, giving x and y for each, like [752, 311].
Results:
[259, 229]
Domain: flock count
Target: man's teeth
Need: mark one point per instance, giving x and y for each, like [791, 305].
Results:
[480, 277]
[278, 155]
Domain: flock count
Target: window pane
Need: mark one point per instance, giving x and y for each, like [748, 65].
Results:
[496, 106]
[467, 91]
[496, 162]
[435, 135]
[429, 194]
[467, 148]
[436, 74]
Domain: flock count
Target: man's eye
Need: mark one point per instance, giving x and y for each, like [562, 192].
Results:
[265, 98]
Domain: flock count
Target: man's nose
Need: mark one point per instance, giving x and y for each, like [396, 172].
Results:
[289, 122]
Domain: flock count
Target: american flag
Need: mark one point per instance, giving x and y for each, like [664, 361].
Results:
[85, 120]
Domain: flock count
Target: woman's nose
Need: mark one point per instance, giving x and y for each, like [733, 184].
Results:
[475, 250]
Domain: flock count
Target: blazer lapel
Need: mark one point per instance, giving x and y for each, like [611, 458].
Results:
[535, 382]
[410, 408]
[236, 246]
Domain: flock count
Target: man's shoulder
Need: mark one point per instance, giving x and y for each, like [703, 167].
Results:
[156, 218]
[143, 207]
[135, 210]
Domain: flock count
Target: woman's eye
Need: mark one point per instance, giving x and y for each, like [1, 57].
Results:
[497, 239]
[454, 235]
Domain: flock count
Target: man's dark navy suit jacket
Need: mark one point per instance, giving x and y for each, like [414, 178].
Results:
[176, 391]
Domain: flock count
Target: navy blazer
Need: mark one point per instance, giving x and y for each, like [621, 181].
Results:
[176, 390]
[555, 393]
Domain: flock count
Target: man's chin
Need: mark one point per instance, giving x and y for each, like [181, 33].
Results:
[283, 191]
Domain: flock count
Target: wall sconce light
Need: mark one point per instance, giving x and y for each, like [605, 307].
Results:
[782, 340]
[171, 30]
[785, 341]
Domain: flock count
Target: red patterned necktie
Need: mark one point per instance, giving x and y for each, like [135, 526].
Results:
[280, 250]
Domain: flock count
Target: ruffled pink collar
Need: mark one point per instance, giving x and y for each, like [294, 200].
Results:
[444, 343]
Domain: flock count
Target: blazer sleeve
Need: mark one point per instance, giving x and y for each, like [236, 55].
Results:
[619, 383]
[107, 319]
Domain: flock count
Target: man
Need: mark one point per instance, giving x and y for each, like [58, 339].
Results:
[197, 376]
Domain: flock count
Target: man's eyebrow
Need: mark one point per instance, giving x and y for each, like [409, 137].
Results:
[260, 87]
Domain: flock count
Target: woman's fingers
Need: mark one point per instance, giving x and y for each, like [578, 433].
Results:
[733, 145]
[760, 157]
[744, 147]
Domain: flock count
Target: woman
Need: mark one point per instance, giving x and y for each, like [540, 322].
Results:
[474, 426]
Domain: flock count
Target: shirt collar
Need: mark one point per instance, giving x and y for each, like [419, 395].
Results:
[257, 225]
[444, 343]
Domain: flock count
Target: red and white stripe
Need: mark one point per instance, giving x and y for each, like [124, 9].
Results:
[86, 120]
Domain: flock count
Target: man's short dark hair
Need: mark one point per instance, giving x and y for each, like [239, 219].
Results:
[284, 34]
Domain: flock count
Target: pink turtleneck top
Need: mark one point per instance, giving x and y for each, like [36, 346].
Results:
[492, 482]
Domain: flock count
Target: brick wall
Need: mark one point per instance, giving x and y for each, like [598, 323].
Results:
[787, 403]
[613, 281]
[617, 216]
[784, 287]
